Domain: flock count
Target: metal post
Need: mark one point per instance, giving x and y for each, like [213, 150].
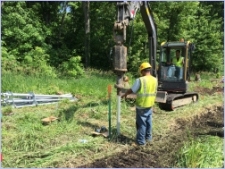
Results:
[118, 114]
[109, 95]
[13, 103]
[34, 99]
[119, 81]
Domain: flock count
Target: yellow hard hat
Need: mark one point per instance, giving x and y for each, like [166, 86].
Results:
[144, 65]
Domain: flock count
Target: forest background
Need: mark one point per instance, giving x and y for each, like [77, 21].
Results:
[61, 38]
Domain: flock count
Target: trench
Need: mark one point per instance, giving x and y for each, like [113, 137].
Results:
[160, 153]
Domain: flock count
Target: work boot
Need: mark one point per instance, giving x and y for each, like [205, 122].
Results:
[135, 144]
[149, 141]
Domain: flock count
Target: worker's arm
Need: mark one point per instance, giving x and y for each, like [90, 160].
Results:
[183, 61]
[133, 89]
[169, 63]
[129, 91]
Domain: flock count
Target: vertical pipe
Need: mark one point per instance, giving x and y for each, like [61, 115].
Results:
[119, 81]
[109, 97]
[118, 114]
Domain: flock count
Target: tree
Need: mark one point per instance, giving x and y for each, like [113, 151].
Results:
[101, 33]
[22, 30]
[208, 38]
[56, 31]
[86, 8]
[197, 22]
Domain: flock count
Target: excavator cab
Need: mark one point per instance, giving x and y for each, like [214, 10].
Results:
[172, 78]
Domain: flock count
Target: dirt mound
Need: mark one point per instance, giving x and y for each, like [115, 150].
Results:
[204, 90]
[161, 152]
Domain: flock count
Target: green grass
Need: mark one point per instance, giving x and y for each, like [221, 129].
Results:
[28, 143]
[204, 152]
[208, 80]
[88, 84]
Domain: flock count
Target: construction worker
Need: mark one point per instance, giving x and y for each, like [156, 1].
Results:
[145, 87]
[178, 62]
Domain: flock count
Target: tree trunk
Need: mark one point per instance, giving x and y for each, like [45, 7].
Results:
[86, 8]
[65, 4]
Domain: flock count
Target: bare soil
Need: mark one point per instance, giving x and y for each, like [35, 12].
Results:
[161, 152]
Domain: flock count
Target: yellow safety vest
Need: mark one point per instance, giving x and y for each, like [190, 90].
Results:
[178, 63]
[147, 93]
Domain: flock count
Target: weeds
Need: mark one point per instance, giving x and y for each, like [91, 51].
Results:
[7, 110]
[204, 152]
[47, 85]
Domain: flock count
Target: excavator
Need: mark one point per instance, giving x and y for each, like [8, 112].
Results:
[172, 90]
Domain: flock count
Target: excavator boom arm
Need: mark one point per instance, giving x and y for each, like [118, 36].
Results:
[126, 11]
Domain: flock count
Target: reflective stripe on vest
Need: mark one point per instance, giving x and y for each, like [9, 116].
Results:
[147, 93]
[179, 62]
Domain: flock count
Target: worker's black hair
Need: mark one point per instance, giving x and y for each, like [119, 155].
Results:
[147, 69]
[178, 50]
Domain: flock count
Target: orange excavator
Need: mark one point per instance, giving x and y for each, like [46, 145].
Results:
[172, 89]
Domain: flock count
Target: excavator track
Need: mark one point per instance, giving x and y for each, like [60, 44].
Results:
[177, 100]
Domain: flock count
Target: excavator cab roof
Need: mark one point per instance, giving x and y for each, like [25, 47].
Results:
[174, 44]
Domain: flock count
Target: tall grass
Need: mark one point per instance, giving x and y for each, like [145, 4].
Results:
[204, 152]
[85, 85]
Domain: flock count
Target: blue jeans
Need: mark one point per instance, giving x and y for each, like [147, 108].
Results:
[179, 72]
[171, 71]
[143, 125]
[175, 71]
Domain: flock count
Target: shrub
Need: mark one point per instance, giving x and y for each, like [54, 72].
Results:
[73, 67]
[35, 62]
[9, 62]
